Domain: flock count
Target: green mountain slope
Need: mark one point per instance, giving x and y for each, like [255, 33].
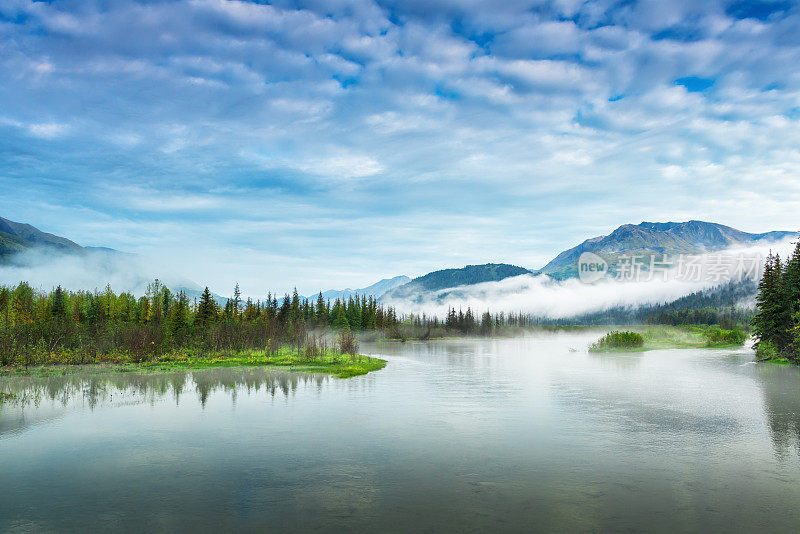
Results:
[447, 278]
[17, 237]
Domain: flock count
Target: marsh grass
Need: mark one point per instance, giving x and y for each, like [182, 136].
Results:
[319, 359]
[670, 337]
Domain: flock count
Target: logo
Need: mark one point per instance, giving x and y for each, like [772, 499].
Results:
[591, 268]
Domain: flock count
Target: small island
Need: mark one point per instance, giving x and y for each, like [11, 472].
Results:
[669, 337]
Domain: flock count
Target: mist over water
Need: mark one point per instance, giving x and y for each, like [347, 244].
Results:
[492, 435]
[544, 297]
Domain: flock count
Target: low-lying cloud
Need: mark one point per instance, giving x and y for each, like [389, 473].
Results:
[93, 270]
[542, 296]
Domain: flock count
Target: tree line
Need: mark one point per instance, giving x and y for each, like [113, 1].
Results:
[82, 326]
[776, 324]
[727, 317]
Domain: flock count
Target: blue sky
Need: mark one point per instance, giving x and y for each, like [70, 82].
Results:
[330, 144]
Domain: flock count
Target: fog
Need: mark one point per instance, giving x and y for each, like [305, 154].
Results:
[95, 269]
[535, 295]
[544, 297]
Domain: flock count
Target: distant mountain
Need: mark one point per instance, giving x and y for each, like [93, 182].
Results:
[18, 237]
[100, 262]
[376, 290]
[448, 278]
[195, 292]
[691, 237]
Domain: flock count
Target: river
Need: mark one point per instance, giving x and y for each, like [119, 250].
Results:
[523, 434]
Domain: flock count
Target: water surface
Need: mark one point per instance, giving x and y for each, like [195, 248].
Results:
[466, 435]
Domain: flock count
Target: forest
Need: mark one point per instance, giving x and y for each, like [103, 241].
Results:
[776, 324]
[83, 327]
[77, 327]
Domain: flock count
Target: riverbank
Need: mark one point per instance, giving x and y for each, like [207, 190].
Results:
[328, 362]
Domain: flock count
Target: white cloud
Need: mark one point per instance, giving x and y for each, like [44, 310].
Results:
[539, 126]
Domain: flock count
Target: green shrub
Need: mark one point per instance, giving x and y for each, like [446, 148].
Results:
[618, 340]
[766, 350]
[718, 336]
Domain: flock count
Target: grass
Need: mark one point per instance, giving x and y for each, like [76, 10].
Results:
[768, 352]
[674, 337]
[328, 362]
[781, 361]
[615, 340]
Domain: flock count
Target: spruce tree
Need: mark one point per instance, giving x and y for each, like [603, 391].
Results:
[207, 309]
[771, 322]
[179, 315]
[791, 285]
[237, 299]
[321, 312]
[340, 319]
[284, 311]
[58, 307]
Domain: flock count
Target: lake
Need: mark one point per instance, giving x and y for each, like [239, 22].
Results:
[518, 434]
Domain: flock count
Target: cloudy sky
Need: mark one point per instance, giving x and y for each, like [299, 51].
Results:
[333, 143]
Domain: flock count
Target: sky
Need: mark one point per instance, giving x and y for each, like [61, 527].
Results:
[329, 144]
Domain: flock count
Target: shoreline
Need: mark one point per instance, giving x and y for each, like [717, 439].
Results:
[334, 364]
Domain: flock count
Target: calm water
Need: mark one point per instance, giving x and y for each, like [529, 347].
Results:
[502, 435]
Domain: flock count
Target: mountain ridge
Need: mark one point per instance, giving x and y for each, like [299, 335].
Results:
[689, 237]
[447, 278]
[375, 290]
[18, 237]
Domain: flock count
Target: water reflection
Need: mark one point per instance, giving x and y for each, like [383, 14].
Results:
[781, 388]
[47, 397]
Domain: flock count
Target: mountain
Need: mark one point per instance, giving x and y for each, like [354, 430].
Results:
[97, 263]
[18, 237]
[376, 290]
[691, 237]
[448, 278]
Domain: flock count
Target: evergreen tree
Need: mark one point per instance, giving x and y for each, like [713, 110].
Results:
[791, 284]
[284, 312]
[228, 312]
[486, 324]
[206, 310]
[179, 315]
[154, 296]
[791, 278]
[340, 318]
[237, 300]
[353, 313]
[271, 308]
[295, 315]
[321, 311]
[771, 322]
[58, 306]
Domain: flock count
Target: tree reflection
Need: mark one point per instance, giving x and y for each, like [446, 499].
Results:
[781, 387]
[94, 389]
